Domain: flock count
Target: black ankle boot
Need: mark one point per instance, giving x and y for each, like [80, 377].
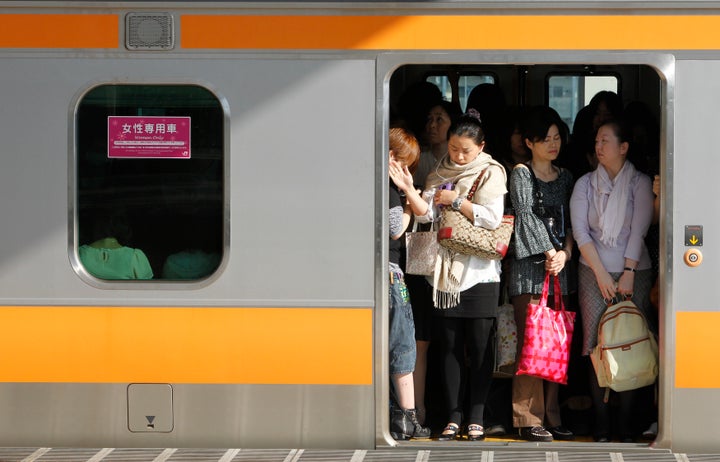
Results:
[401, 428]
[404, 425]
[420, 431]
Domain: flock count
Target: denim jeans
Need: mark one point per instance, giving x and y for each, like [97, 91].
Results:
[402, 328]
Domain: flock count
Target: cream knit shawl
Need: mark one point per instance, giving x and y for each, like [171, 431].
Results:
[450, 266]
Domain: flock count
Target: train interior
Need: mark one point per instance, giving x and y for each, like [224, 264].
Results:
[567, 88]
[152, 203]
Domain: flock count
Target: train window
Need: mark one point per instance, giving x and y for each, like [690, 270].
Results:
[466, 83]
[149, 178]
[567, 94]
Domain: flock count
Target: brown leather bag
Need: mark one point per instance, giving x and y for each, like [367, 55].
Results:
[460, 235]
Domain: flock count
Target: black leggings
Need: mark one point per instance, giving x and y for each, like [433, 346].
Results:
[603, 413]
[458, 338]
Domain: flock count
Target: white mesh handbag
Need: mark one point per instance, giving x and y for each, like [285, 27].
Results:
[422, 249]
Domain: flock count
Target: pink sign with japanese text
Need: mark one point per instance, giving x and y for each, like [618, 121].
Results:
[148, 137]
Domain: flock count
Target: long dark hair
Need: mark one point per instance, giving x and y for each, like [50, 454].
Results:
[469, 125]
[538, 120]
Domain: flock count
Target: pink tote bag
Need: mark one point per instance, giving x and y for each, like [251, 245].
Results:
[548, 334]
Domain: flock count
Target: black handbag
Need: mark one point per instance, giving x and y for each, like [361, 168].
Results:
[552, 216]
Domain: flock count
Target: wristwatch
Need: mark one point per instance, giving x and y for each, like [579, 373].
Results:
[457, 203]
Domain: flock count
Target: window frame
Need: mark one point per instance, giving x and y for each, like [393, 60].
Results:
[74, 197]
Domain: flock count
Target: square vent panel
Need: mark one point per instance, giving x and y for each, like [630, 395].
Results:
[150, 407]
[149, 31]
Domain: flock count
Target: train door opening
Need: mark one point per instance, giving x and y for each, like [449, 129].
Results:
[581, 94]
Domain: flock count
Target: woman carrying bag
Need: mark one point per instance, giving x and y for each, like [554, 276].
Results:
[404, 152]
[611, 210]
[465, 287]
[536, 188]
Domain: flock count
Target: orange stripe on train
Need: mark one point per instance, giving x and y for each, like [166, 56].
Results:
[186, 345]
[437, 32]
[59, 31]
[696, 336]
[466, 32]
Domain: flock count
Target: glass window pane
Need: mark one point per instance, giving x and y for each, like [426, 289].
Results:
[567, 94]
[149, 182]
[466, 83]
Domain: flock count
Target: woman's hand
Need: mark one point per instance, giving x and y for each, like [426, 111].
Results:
[401, 176]
[445, 196]
[556, 263]
[656, 185]
[606, 284]
[626, 283]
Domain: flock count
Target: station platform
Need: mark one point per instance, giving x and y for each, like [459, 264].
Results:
[528, 452]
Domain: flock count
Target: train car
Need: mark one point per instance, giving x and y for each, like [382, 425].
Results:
[250, 139]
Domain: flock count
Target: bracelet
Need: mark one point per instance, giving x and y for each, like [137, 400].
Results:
[632, 270]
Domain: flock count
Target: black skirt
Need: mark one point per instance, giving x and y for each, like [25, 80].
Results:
[479, 301]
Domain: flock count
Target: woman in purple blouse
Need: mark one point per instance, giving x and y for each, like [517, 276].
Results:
[611, 210]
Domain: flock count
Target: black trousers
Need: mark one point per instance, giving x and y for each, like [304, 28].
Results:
[467, 363]
[619, 409]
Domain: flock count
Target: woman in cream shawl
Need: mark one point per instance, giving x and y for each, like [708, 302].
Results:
[465, 288]
[611, 210]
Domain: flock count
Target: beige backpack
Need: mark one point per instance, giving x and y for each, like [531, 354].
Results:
[626, 356]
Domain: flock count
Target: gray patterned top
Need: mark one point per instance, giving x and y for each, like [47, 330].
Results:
[527, 269]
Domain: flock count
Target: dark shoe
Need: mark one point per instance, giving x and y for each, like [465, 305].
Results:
[561, 433]
[601, 438]
[449, 433]
[536, 433]
[475, 432]
[627, 439]
[404, 425]
[421, 413]
[400, 426]
[420, 431]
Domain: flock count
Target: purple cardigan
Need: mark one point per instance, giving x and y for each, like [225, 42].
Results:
[631, 240]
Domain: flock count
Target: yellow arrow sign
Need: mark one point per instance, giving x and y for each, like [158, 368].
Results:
[694, 235]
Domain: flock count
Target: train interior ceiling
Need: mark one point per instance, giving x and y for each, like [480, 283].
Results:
[565, 87]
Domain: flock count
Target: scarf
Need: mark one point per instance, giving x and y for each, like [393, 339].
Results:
[463, 176]
[449, 265]
[610, 199]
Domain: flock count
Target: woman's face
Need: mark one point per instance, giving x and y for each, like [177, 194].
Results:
[608, 148]
[516, 143]
[437, 125]
[463, 150]
[602, 114]
[548, 148]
